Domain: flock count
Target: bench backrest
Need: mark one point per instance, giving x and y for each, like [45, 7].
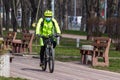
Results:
[28, 38]
[11, 36]
[102, 44]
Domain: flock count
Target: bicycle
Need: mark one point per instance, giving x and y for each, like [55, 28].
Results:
[49, 54]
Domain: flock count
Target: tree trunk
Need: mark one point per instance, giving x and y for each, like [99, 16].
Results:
[7, 9]
[110, 8]
[1, 33]
[119, 8]
[1, 23]
[49, 4]
[25, 15]
[65, 22]
[83, 20]
[33, 11]
[13, 15]
[60, 14]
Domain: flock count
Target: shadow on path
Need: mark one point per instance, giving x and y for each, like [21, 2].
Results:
[30, 69]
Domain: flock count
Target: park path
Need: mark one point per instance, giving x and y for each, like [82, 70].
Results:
[28, 67]
[74, 36]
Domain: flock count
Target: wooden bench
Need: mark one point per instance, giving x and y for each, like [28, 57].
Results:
[9, 38]
[16, 46]
[1, 43]
[27, 42]
[100, 51]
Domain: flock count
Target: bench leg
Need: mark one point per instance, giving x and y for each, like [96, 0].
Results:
[30, 49]
[94, 59]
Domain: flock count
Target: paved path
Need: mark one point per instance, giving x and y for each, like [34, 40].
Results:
[74, 36]
[28, 67]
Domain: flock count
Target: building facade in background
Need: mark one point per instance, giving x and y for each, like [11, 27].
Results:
[74, 14]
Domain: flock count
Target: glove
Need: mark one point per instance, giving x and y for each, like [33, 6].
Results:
[57, 35]
[38, 35]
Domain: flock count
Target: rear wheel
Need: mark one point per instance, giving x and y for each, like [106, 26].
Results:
[51, 60]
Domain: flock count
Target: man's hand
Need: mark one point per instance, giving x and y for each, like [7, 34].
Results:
[38, 35]
[57, 35]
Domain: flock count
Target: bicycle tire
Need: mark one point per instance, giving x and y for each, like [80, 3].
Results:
[51, 60]
[44, 66]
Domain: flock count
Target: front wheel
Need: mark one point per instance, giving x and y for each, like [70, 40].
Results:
[51, 60]
[44, 66]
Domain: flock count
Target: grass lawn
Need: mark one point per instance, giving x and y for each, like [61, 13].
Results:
[11, 78]
[114, 66]
[114, 53]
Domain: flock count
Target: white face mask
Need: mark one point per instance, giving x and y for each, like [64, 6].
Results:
[48, 19]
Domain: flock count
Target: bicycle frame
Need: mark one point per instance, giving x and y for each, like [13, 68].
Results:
[48, 42]
[48, 45]
[49, 54]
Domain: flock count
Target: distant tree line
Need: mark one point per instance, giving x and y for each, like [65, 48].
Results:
[34, 9]
[92, 12]
[95, 24]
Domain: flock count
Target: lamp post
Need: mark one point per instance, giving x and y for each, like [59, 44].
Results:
[105, 9]
[53, 10]
[75, 8]
[53, 4]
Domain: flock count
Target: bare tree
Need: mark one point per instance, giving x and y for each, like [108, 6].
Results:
[49, 4]
[30, 8]
[91, 12]
[84, 17]
[14, 14]
[59, 12]
[25, 14]
[65, 18]
[34, 10]
[110, 8]
[7, 9]
[1, 24]
[119, 9]
[113, 23]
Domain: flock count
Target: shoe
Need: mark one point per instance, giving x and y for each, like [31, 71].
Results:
[41, 64]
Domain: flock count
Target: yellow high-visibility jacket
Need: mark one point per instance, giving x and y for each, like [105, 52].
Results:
[48, 28]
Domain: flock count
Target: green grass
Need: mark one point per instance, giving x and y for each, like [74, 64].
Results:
[114, 66]
[113, 53]
[11, 78]
[67, 42]
[64, 51]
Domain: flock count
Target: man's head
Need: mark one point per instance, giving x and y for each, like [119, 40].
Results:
[48, 15]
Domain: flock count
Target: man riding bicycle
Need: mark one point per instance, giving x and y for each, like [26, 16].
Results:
[46, 26]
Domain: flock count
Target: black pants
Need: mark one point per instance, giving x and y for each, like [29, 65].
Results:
[42, 51]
